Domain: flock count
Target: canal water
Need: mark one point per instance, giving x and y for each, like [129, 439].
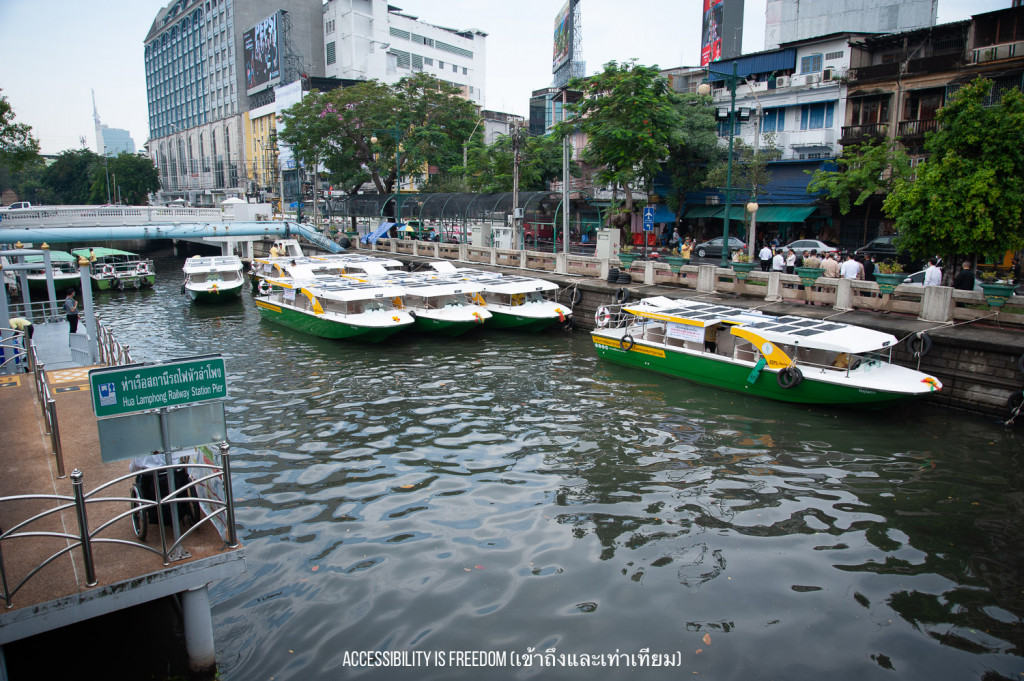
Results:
[507, 497]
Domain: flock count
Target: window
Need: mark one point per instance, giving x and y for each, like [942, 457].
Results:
[402, 59]
[816, 116]
[422, 40]
[417, 61]
[440, 64]
[454, 50]
[870, 110]
[810, 64]
[329, 26]
[399, 33]
[465, 71]
[774, 120]
[833, 55]
[331, 57]
[429, 61]
[455, 69]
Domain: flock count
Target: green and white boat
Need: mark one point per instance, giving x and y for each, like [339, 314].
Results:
[514, 301]
[335, 307]
[440, 306]
[215, 279]
[64, 268]
[113, 269]
[312, 266]
[786, 358]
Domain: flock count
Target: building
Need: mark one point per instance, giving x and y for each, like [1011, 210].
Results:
[722, 30]
[372, 39]
[110, 141]
[206, 66]
[788, 21]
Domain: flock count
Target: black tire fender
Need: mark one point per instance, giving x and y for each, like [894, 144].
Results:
[577, 297]
[920, 344]
[627, 342]
[622, 295]
[1014, 401]
[790, 377]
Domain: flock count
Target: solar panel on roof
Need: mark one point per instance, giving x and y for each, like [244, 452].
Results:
[807, 332]
[783, 329]
[831, 327]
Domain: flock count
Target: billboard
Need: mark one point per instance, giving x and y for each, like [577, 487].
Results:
[261, 44]
[722, 34]
[563, 37]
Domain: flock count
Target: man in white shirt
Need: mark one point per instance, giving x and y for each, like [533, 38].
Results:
[850, 268]
[766, 258]
[932, 275]
[779, 262]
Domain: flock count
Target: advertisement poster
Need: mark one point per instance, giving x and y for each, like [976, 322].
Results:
[711, 37]
[260, 44]
[563, 37]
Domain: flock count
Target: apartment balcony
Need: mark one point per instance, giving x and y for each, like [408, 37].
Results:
[858, 134]
[908, 131]
[876, 72]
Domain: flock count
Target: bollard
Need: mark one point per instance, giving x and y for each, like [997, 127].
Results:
[228, 498]
[83, 528]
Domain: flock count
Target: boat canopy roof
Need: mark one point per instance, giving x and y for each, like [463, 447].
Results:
[339, 288]
[219, 263]
[55, 256]
[102, 252]
[422, 284]
[781, 330]
[496, 282]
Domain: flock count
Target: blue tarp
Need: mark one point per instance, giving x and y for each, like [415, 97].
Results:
[371, 238]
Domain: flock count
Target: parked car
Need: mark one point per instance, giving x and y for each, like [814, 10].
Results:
[801, 245]
[884, 248]
[918, 278]
[17, 205]
[713, 247]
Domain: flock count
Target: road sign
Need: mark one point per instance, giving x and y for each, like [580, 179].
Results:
[648, 218]
[139, 387]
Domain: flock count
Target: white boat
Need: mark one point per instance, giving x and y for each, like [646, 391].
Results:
[213, 279]
[787, 358]
[307, 267]
[447, 307]
[335, 307]
[514, 301]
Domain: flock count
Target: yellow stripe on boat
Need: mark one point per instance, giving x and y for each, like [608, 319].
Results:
[268, 306]
[776, 358]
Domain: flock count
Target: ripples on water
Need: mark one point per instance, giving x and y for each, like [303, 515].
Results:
[511, 492]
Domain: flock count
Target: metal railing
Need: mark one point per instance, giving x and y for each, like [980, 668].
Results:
[83, 537]
[112, 353]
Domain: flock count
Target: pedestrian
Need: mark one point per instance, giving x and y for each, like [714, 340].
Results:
[70, 307]
[779, 262]
[686, 250]
[811, 259]
[933, 275]
[675, 239]
[22, 324]
[831, 266]
[964, 280]
[766, 258]
[790, 262]
[851, 269]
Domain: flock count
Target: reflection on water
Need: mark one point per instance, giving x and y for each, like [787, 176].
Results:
[508, 492]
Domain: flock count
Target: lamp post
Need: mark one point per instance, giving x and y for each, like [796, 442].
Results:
[397, 134]
[730, 117]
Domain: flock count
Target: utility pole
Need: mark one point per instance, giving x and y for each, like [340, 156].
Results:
[516, 132]
[565, 180]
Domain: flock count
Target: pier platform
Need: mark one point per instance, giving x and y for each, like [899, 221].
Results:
[45, 574]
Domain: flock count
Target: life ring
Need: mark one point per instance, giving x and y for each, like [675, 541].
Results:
[790, 377]
[108, 270]
[577, 297]
[264, 287]
[920, 344]
[142, 268]
[602, 316]
[627, 343]
[622, 295]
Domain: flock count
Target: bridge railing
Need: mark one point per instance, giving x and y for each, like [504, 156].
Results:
[105, 216]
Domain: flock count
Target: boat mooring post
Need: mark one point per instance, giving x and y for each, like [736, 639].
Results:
[198, 621]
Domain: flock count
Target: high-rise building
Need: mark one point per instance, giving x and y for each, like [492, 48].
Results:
[787, 21]
[110, 141]
[207, 63]
[372, 39]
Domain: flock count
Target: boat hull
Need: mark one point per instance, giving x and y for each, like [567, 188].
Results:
[102, 283]
[445, 327]
[718, 372]
[222, 294]
[507, 320]
[60, 284]
[316, 325]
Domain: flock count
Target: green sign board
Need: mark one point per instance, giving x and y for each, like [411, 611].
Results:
[139, 387]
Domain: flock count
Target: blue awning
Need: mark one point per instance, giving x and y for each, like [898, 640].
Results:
[662, 213]
[371, 237]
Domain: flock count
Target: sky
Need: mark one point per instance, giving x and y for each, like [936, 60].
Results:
[53, 53]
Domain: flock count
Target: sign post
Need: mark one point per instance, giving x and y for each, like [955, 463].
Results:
[154, 408]
[648, 225]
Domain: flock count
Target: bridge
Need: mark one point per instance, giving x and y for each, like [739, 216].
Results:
[63, 224]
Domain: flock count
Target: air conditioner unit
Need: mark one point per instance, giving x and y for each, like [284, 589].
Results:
[782, 81]
[812, 78]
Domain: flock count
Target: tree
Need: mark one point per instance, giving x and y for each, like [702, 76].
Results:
[540, 161]
[69, 179]
[631, 120]
[968, 196]
[750, 171]
[132, 178]
[17, 146]
[694, 149]
[866, 172]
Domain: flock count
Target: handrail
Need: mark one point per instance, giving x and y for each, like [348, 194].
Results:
[84, 538]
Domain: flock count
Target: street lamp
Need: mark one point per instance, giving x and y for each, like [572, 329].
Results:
[730, 116]
[397, 134]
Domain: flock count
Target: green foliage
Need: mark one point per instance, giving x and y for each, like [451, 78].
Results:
[749, 168]
[490, 169]
[694, 148]
[69, 178]
[631, 119]
[132, 178]
[969, 195]
[430, 119]
[17, 146]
